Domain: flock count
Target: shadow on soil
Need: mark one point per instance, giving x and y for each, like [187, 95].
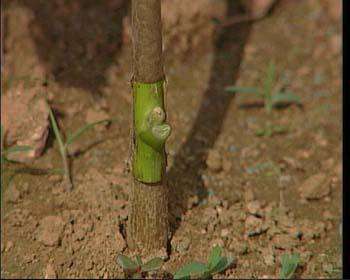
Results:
[184, 176]
[77, 40]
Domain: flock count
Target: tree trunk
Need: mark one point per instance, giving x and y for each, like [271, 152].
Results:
[148, 227]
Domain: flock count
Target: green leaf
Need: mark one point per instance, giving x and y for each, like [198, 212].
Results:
[16, 149]
[153, 264]
[126, 263]
[75, 135]
[251, 90]
[260, 132]
[214, 257]
[191, 269]
[223, 264]
[138, 260]
[289, 264]
[268, 83]
[285, 97]
[56, 129]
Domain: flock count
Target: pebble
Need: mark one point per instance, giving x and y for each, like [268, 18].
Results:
[183, 245]
[315, 187]
[50, 231]
[225, 232]
[9, 246]
[12, 194]
[254, 226]
[254, 208]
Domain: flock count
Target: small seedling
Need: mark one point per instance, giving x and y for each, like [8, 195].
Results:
[271, 91]
[270, 130]
[63, 146]
[196, 270]
[289, 264]
[136, 269]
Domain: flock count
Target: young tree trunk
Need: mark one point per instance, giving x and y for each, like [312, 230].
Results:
[148, 227]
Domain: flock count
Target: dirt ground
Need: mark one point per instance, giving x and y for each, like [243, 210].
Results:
[257, 197]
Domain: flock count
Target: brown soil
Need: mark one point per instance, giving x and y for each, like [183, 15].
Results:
[258, 197]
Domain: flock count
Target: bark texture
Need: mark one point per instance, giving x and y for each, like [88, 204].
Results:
[148, 226]
[147, 41]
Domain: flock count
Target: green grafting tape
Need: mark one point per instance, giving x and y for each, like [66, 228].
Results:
[150, 132]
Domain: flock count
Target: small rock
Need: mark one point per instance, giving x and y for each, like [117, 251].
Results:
[225, 232]
[183, 245]
[50, 272]
[25, 120]
[284, 180]
[214, 161]
[9, 246]
[315, 187]
[254, 208]
[120, 242]
[254, 226]
[50, 231]
[12, 194]
[268, 256]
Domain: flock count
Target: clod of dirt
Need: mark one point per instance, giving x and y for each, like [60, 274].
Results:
[268, 256]
[50, 231]
[12, 194]
[24, 116]
[315, 187]
[183, 245]
[214, 161]
[50, 272]
[120, 243]
[283, 241]
[225, 232]
[254, 226]
[238, 246]
[9, 246]
[255, 208]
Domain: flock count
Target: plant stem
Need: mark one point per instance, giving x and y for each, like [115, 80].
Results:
[63, 152]
[147, 227]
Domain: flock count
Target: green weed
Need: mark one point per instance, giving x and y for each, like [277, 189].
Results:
[271, 91]
[63, 145]
[196, 270]
[137, 269]
[289, 264]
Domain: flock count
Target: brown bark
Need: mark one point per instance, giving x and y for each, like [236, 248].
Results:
[148, 212]
[147, 41]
